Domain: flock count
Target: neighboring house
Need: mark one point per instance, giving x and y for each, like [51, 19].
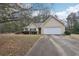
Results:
[50, 26]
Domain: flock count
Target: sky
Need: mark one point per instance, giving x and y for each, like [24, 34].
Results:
[62, 10]
[63, 6]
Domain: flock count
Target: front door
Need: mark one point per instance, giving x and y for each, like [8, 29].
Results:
[39, 30]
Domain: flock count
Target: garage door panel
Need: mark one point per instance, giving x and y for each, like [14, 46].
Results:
[52, 30]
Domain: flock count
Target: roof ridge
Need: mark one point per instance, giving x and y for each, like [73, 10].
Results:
[58, 20]
[54, 18]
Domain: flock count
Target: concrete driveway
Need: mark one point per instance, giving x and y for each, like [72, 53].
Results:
[70, 46]
[52, 45]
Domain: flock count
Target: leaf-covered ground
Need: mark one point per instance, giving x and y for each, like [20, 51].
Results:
[15, 45]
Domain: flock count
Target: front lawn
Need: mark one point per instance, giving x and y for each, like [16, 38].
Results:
[72, 36]
[13, 44]
[75, 36]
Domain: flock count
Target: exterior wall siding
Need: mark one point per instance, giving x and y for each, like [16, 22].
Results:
[51, 24]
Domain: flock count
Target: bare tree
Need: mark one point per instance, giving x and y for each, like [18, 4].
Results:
[71, 20]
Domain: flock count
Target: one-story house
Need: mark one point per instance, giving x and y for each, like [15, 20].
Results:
[51, 26]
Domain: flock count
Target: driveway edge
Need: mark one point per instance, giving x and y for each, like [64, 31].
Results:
[33, 46]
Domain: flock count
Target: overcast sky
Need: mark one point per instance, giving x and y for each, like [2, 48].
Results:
[64, 9]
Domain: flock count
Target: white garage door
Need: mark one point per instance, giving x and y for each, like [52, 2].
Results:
[52, 31]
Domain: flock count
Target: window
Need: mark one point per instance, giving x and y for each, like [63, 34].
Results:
[33, 29]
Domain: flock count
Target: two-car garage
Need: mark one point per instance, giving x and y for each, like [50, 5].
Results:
[53, 30]
[53, 26]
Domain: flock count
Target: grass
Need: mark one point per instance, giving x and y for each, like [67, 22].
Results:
[72, 36]
[16, 45]
[75, 36]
